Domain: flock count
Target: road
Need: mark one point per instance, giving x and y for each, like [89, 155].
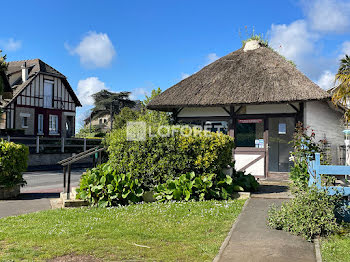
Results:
[48, 181]
[35, 196]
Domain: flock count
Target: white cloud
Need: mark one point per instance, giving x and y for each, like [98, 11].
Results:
[211, 58]
[301, 45]
[326, 80]
[345, 48]
[292, 41]
[87, 87]
[94, 50]
[184, 76]
[328, 15]
[10, 44]
[140, 93]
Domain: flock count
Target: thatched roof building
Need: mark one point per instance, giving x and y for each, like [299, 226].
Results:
[241, 77]
[257, 96]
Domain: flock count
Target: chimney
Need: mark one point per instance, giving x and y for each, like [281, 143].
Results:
[24, 72]
[251, 45]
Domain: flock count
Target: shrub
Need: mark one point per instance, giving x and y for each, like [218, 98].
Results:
[204, 187]
[305, 148]
[13, 162]
[247, 182]
[102, 187]
[158, 158]
[310, 214]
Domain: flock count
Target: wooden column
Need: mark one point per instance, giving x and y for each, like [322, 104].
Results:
[266, 144]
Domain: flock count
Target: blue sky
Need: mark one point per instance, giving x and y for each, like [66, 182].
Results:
[140, 45]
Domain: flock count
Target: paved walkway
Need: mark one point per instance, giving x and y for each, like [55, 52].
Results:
[35, 196]
[252, 240]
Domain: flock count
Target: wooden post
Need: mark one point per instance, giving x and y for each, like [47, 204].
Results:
[64, 178]
[84, 148]
[62, 144]
[100, 158]
[317, 170]
[93, 160]
[37, 144]
[68, 183]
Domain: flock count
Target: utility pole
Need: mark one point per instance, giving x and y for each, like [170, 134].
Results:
[90, 123]
[111, 112]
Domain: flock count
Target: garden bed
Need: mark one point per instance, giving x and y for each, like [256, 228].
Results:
[194, 230]
[9, 192]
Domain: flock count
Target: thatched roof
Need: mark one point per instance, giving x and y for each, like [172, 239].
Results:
[251, 77]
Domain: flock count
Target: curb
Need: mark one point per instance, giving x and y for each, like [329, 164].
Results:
[318, 250]
[227, 239]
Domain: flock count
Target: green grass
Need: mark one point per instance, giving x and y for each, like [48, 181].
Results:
[191, 231]
[336, 248]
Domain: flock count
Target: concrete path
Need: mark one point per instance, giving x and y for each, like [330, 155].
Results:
[252, 240]
[35, 196]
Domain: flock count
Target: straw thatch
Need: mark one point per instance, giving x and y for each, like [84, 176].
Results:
[252, 77]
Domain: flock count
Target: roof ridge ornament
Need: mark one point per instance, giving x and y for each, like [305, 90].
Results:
[251, 45]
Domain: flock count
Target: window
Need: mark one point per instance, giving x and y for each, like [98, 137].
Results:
[48, 90]
[24, 120]
[40, 124]
[53, 124]
[250, 133]
[215, 126]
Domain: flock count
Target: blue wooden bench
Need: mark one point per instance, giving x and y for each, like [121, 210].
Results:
[315, 170]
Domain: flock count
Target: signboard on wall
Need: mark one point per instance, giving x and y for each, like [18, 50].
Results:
[282, 128]
[249, 121]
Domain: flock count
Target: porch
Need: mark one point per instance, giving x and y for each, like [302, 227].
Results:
[262, 134]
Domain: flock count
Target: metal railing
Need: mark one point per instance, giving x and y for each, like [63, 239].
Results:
[67, 163]
[38, 144]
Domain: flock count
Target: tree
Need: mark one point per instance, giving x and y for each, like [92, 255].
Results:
[153, 116]
[341, 94]
[125, 115]
[3, 68]
[106, 102]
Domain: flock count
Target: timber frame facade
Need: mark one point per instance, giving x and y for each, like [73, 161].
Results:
[43, 102]
[263, 132]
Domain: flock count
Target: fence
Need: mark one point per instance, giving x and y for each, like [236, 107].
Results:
[315, 170]
[55, 145]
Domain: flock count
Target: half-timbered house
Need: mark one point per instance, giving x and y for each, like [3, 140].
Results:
[43, 102]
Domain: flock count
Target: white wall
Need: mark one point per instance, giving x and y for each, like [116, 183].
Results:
[270, 109]
[249, 109]
[257, 169]
[203, 111]
[326, 122]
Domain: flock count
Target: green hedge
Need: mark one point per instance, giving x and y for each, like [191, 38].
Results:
[13, 162]
[158, 158]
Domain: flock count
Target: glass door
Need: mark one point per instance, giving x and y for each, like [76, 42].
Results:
[281, 131]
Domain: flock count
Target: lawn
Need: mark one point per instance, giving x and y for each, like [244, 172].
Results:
[183, 231]
[337, 248]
